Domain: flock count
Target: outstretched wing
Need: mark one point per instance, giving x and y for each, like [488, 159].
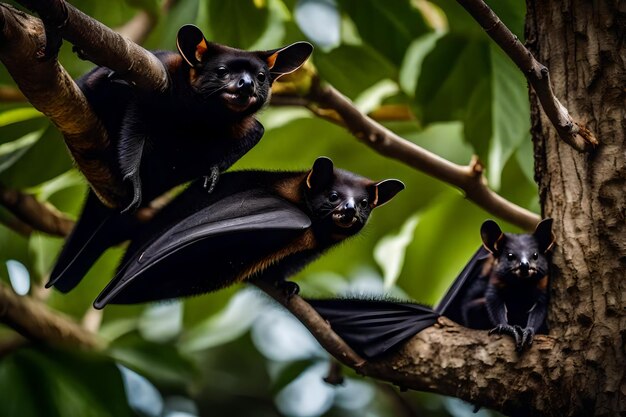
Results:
[372, 327]
[205, 250]
[97, 229]
[451, 303]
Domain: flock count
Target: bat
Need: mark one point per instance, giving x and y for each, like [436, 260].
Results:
[199, 127]
[256, 225]
[504, 288]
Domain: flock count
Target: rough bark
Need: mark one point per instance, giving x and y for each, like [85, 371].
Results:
[583, 44]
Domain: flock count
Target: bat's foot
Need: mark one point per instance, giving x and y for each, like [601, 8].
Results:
[210, 181]
[133, 177]
[51, 49]
[53, 27]
[528, 334]
[289, 288]
[507, 329]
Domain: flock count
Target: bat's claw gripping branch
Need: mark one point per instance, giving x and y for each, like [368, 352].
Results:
[507, 329]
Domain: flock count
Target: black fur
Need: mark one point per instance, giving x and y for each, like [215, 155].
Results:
[199, 127]
[509, 270]
[203, 242]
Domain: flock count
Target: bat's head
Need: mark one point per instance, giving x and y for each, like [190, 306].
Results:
[235, 81]
[343, 200]
[519, 256]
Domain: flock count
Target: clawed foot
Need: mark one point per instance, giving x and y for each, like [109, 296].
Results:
[136, 182]
[210, 181]
[288, 288]
[523, 337]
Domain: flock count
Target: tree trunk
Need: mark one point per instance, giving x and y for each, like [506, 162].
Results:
[582, 42]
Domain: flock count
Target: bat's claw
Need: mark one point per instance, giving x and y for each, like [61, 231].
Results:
[507, 329]
[289, 288]
[528, 334]
[133, 177]
[210, 181]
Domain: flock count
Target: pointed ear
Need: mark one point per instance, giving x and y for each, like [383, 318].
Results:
[383, 191]
[544, 236]
[286, 60]
[492, 236]
[191, 44]
[321, 174]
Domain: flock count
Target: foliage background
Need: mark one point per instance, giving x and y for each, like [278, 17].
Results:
[234, 351]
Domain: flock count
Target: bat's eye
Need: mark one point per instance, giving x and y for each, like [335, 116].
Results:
[333, 197]
[535, 256]
[261, 76]
[363, 203]
[510, 257]
[221, 71]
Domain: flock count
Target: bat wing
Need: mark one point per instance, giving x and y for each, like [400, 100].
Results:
[193, 255]
[97, 229]
[451, 303]
[372, 327]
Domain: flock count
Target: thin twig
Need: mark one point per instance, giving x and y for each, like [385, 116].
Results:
[326, 102]
[537, 74]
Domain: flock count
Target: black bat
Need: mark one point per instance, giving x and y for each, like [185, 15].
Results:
[199, 127]
[255, 225]
[503, 288]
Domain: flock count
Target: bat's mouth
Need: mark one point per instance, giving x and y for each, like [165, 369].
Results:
[344, 220]
[525, 273]
[238, 102]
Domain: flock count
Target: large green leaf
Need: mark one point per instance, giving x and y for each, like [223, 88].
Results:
[52, 383]
[387, 26]
[234, 23]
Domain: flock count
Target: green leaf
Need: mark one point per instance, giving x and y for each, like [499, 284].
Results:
[45, 382]
[449, 76]
[11, 152]
[353, 69]
[412, 64]
[387, 26]
[236, 23]
[511, 113]
[19, 115]
[390, 251]
[320, 21]
[160, 362]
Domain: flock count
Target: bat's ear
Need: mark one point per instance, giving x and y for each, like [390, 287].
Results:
[321, 174]
[287, 59]
[492, 236]
[383, 191]
[191, 44]
[544, 236]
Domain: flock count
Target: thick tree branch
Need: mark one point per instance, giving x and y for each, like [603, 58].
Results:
[129, 60]
[572, 132]
[447, 359]
[35, 214]
[51, 90]
[35, 321]
[328, 103]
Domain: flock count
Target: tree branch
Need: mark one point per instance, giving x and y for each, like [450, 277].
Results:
[438, 359]
[328, 103]
[51, 90]
[36, 215]
[35, 321]
[11, 95]
[574, 134]
[129, 60]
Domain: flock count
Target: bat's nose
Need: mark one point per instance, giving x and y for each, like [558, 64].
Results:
[524, 267]
[245, 85]
[349, 208]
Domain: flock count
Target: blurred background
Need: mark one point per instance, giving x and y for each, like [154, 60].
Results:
[425, 69]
